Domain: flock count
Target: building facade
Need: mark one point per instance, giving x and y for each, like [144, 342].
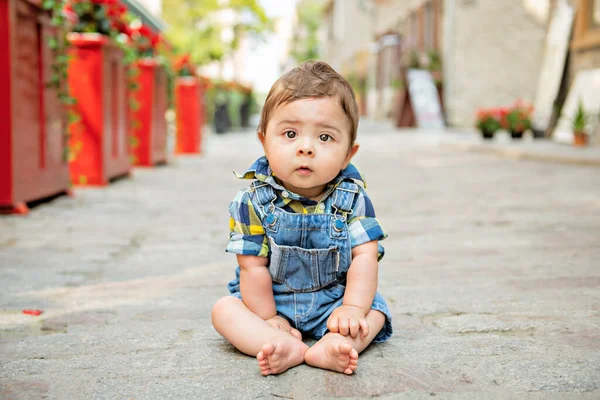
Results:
[492, 56]
[482, 53]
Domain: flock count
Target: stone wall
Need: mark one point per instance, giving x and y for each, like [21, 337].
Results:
[494, 56]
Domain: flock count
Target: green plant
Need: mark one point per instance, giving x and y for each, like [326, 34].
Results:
[518, 117]
[305, 46]
[435, 60]
[414, 62]
[59, 46]
[487, 121]
[580, 119]
[183, 66]
[358, 83]
[195, 26]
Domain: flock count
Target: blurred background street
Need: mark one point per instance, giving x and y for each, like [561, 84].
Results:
[122, 121]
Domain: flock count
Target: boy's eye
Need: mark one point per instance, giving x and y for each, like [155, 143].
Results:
[290, 134]
[324, 137]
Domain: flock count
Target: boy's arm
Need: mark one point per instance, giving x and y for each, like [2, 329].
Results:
[361, 286]
[256, 286]
[361, 281]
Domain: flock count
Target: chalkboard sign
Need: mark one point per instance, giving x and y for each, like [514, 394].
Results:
[424, 99]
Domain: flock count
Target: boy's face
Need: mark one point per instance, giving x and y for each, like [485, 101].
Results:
[307, 144]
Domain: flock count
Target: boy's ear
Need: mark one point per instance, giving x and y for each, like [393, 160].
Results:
[261, 137]
[351, 152]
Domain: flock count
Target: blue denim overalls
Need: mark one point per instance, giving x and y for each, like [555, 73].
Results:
[309, 258]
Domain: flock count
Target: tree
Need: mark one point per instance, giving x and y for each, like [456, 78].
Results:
[196, 26]
[306, 41]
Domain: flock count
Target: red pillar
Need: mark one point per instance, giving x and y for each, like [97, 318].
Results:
[189, 109]
[99, 142]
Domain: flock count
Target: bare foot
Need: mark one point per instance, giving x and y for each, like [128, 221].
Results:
[333, 353]
[280, 355]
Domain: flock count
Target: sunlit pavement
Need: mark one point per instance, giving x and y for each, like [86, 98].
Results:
[491, 272]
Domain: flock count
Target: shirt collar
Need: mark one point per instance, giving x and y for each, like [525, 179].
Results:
[261, 171]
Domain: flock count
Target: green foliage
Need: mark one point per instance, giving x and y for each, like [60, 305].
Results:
[92, 17]
[59, 45]
[358, 83]
[488, 124]
[306, 42]
[235, 99]
[430, 60]
[518, 119]
[580, 119]
[194, 26]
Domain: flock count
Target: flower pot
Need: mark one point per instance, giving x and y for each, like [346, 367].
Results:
[189, 109]
[516, 134]
[99, 142]
[579, 139]
[150, 130]
[487, 135]
[33, 165]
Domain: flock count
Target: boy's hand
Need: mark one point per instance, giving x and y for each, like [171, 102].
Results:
[283, 325]
[348, 320]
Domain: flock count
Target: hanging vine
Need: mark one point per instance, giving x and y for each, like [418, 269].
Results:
[59, 45]
[111, 19]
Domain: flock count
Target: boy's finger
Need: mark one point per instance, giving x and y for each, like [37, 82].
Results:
[364, 327]
[344, 330]
[332, 325]
[353, 328]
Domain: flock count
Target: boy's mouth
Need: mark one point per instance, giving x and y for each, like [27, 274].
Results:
[303, 170]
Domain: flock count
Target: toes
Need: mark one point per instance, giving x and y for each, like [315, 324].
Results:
[260, 356]
[268, 350]
[296, 333]
[263, 363]
[346, 349]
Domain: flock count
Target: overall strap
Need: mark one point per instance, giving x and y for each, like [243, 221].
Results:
[343, 196]
[265, 194]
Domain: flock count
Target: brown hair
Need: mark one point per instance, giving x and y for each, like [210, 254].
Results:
[311, 79]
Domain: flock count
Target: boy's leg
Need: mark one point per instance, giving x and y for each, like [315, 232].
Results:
[340, 353]
[275, 349]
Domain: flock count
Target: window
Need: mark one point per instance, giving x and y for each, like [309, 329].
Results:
[596, 13]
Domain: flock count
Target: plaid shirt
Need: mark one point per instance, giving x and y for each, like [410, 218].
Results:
[247, 235]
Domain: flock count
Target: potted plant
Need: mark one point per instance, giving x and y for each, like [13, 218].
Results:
[578, 123]
[97, 16]
[183, 67]
[488, 122]
[518, 119]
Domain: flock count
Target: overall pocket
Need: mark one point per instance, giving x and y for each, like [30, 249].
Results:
[303, 270]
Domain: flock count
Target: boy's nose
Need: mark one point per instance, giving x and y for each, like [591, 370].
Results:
[305, 149]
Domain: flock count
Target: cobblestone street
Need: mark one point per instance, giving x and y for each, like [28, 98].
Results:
[492, 273]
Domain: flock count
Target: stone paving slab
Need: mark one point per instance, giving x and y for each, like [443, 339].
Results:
[491, 272]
